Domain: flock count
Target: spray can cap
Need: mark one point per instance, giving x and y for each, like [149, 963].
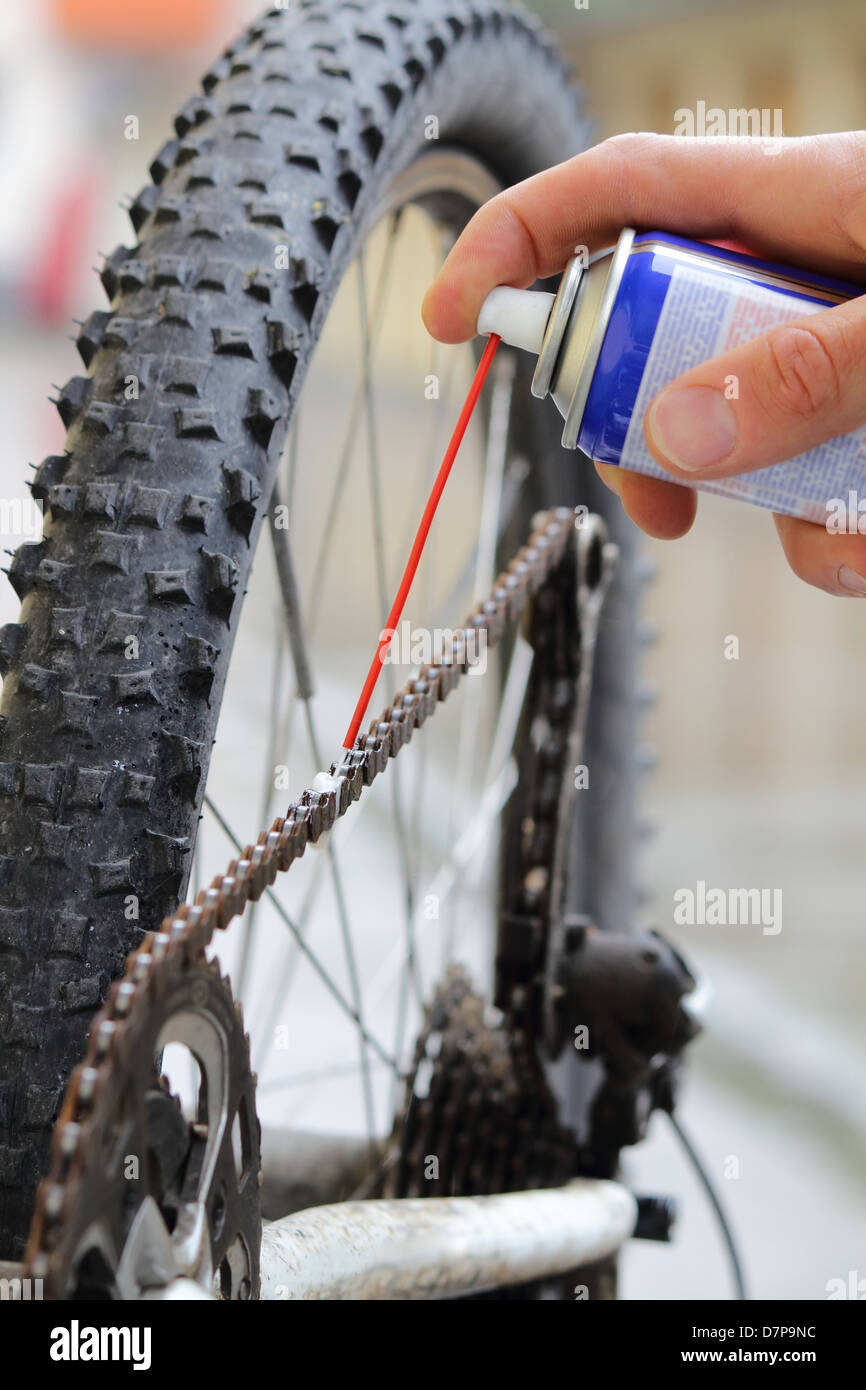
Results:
[534, 320]
[518, 316]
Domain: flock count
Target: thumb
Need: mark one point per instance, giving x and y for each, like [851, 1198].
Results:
[767, 400]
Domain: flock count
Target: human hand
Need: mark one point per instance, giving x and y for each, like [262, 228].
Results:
[802, 202]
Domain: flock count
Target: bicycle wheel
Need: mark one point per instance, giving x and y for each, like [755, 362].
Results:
[309, 151]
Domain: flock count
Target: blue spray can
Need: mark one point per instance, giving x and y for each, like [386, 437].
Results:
[627, 321]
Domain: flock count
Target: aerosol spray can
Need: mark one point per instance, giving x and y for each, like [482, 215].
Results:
[627, 321]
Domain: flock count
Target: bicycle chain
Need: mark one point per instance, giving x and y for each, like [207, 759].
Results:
[183, 937]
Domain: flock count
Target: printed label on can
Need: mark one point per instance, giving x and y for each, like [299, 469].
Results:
[703, 317]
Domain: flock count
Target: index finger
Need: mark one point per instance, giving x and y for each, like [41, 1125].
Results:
[800, 200]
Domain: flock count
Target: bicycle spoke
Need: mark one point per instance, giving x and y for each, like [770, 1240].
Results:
[411, 969]
[501, 779]
[436, 430]
[320, 969]
[494, 472]
[294, 623]
[282, 987]
[456, 861]
[292, 452]
[284, 981]
[372, 442]
[411, 976]
[290, 594]
[512, 493]
[348, 944]
[441, 420]
[195, 885]
[382, 584]
[250, 920]
[308, 1078]
[319, 577]
[345, 454]
[292, 455]
[510, 710]
[485, 571]
[304, 692]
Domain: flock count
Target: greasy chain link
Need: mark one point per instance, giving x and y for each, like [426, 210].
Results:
[184, 935]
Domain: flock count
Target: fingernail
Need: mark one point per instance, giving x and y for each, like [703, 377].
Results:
[850, 580]
[693, 426]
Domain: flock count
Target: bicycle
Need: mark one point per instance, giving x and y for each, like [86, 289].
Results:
[328, 140]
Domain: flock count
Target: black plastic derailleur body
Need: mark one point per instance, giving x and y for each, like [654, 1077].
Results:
[623, 999]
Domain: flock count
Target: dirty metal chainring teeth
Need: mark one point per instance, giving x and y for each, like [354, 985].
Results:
[562, 631]
[184, 936]
[138, 1195]
[479, 1116]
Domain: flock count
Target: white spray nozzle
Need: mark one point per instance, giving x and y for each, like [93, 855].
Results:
[518, 316]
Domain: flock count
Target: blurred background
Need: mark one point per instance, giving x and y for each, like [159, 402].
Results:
[759, 758]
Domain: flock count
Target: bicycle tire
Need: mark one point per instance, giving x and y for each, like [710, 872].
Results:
[153, 510]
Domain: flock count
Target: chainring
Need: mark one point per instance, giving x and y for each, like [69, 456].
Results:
[140, 1194]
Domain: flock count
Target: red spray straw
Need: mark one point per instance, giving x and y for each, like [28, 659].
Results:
[420, 537]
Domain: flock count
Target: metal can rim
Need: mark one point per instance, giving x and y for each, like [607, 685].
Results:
[579, 398]
[554, 333]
